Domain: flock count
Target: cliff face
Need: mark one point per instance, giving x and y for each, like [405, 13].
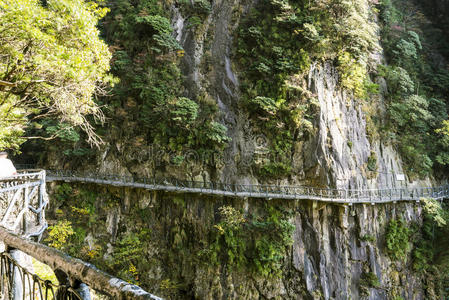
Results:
[334, 152]
[337, 252]
[159, 239]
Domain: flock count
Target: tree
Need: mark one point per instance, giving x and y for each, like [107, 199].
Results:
[52, 63]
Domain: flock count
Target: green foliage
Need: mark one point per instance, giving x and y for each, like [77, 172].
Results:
[44, 271]
[202, 6]
[257, 245]
[62, 192]
[273, 235]
[434, 218]
[216, 133]
[230, 238]
[64, 131]
[416, 160]
[128, 253]
[277, 41]
[435, 212]
[264, 104]
[372, 162]
[368, 238]
[442, 158]
[161, 32]
[52, 62]
[352, 74]
[407, 48]
[196, 8]
[397, 239]
[399, 82]
[275, 169]
[59, 233]
[416, 95]
[147, 59]
[12, 121]
[369, 279]
[185, 111]
[411, 114]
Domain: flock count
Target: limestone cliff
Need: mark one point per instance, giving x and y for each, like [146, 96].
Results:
[338, 251]
[335, 248]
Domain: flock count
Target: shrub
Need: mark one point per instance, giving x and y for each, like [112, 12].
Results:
[372, 162]
[184, 111]
[368, 238]
[162, 32]
[265, 104]
[59, 233]
[397, 239]
[369, 279]
[256, 244]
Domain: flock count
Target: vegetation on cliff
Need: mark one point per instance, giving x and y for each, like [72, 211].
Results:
[253, 243]
[417, 80]
[276, 44]
[52, 62]
[151, 95]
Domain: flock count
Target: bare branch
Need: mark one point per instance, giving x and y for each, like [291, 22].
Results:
[7, 83]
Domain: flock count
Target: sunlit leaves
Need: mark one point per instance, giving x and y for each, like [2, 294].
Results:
[52, 59]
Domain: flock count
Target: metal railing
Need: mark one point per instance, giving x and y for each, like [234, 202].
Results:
[18, 282]
[255, 191]
[23, 200]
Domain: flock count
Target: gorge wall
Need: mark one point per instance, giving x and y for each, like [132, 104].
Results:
[161, 240]
[245, 91]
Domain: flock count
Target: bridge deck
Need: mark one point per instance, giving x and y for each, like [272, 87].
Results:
[259, 191]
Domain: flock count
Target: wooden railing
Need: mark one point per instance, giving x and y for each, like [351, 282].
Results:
[72, 273]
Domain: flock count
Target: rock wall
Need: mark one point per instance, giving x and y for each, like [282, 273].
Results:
[329, 257]
[335, 155]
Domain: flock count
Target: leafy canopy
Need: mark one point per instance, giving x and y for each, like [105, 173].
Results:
[52, 62]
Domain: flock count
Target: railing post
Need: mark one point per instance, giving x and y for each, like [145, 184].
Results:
[63, 279]
[42, 192]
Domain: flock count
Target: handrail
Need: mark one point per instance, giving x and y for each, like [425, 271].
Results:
[381, 195]
[33, 286]
[23, 193]
[75, 268]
